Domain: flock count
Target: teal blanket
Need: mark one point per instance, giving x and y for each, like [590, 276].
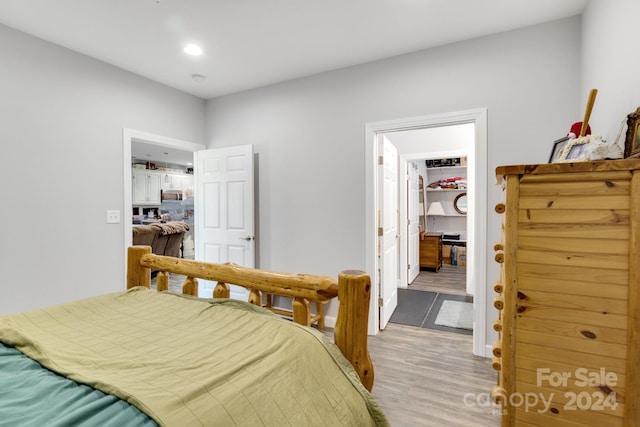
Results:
[34, 396]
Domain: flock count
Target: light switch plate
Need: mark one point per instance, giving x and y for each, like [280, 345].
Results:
[113, 217]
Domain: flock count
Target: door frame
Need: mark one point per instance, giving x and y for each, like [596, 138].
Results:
[128, 136]
[477, 253]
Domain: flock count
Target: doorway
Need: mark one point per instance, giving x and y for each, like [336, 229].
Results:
[130, 137]
[476, 259]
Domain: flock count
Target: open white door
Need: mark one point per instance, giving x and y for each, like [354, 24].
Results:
[388, 229]
[224, 211]
[413, 223]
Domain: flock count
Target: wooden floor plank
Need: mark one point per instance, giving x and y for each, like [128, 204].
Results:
[422, 377]
[450, 280]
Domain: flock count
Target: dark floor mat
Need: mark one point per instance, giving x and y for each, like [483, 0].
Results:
[413, 307]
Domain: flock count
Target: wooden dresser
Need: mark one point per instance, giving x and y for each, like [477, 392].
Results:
[431, 250]
[568, 298]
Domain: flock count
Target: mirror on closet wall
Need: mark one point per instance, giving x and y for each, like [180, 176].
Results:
[460, 203]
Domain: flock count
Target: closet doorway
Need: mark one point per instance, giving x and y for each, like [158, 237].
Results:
[477, 200]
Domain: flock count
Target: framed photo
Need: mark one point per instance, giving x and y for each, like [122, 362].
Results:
[575, 152]
[632, 141]
[558, 147]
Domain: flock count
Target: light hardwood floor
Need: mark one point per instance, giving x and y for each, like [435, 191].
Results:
[426, 377]
[449, 280]
[422, 376]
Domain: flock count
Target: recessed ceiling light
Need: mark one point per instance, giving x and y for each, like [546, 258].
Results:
[193, 49]
[198, 78]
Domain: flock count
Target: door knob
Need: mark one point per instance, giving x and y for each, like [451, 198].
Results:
[248, 238]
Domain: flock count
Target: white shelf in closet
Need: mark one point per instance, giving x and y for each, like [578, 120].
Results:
[451, 221]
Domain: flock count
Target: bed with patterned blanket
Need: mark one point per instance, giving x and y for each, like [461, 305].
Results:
[142, 357]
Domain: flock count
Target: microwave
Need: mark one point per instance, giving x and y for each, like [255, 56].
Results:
[171, 195]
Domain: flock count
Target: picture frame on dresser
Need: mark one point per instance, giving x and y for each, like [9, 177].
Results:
[632, 140]
[558, 148]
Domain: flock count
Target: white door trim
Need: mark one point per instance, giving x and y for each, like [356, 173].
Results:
[478, 250]
[129, 135]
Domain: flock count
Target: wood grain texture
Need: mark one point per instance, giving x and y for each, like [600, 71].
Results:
[450, 280]
[423, 376]
[571, 281]
[632, 410]
[618, 166]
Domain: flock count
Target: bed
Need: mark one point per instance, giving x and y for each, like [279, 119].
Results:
[142, 357]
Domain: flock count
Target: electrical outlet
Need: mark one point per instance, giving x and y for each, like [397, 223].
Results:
[113, 217]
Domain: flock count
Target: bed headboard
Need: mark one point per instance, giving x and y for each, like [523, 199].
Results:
[353, 289]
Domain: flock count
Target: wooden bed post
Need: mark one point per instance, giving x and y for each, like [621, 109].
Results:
[301, 311]
[354, 293]
[222, 290]
[190, 286]
[137, 275]
[162, 281]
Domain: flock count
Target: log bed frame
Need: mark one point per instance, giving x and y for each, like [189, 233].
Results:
[353, 289]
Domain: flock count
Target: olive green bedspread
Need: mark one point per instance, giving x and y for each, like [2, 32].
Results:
[185, 361]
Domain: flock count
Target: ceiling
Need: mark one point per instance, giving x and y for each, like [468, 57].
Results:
[142, 152]
[253, 43]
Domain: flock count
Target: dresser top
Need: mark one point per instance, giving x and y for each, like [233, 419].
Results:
[549, 168]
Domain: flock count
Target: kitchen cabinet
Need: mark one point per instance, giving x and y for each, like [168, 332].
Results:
[145, 187]
[171, 181]
[568, 297]
[187, 182]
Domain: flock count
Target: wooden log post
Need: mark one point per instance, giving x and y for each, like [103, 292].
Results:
[354, 291]
[162, 281]
[222, 290]
[255, 297]
[302, 311]
[190, 286]
[137, 275]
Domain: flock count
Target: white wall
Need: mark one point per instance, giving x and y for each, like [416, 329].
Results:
[611, 64]
[309, 133]
[62, 116]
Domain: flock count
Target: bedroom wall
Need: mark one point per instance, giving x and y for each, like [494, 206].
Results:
[309, 133]
[610, 63]
[62, 117]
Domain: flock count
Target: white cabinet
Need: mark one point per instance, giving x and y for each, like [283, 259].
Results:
[176, 182]
[145, 187]
[442, 215]
[170, 181]
[187, 182]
